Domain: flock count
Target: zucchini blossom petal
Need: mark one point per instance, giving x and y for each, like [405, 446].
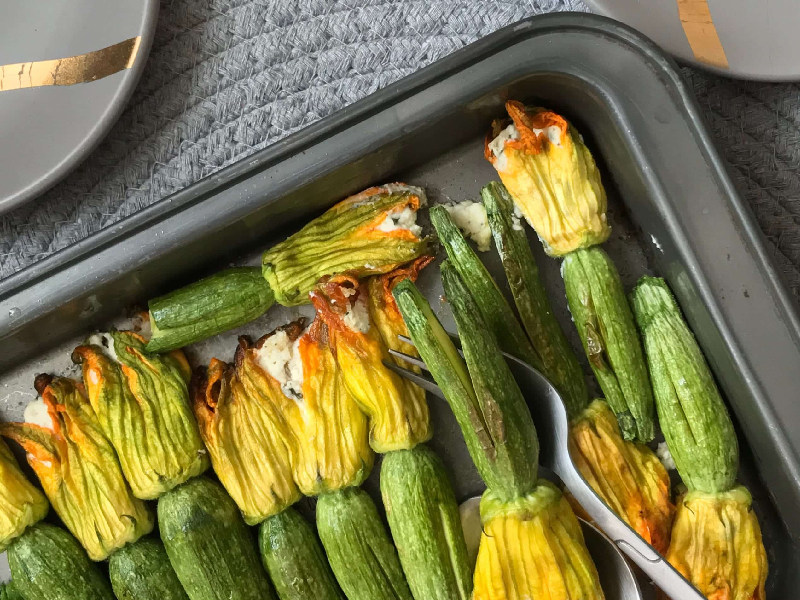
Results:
[21, 503]
[627, 475]
[533, 547]
[141, 400]
[551, 176]
[397, 409]
[370, 233]
[716, 544]
[247, 440]
[79, 471]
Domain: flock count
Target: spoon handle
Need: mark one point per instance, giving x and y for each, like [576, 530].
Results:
[655, 566]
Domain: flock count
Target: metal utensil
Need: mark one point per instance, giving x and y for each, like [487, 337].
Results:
[550, 415]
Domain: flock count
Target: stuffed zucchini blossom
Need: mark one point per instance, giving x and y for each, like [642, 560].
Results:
[79, 471]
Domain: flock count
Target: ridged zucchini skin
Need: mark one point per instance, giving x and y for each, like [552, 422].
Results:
[426, 527]
[142, 571]
[489, 299]
[9, 591]
[693, 416]
[482, 424]
[47, 563]
[295, 560]
[358, 547]
[506, 417]
[210, 547]
[207, 307]
[556, 356]
[605, 323]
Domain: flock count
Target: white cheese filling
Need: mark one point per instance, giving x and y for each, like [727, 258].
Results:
[404, 219]
[106, 343]
[498, 145]
[515, 219]
[511, 134]
[36, 414]
[470, 217]
[470, 513]
[665, 456]
[280, 357]
[357, 316]
[553, 133]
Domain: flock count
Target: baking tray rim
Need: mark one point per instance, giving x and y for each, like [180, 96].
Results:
[392, 94]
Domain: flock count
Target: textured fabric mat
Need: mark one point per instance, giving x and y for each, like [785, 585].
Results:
[228, 77]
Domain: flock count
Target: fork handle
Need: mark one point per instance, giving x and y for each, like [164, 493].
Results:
[663, 574]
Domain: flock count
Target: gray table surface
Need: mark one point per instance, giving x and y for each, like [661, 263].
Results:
[228, 77]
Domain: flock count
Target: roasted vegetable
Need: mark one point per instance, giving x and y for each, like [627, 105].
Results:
[294, 559]
[47, 563]
[294, 369]
[142, 571]
[397, 409]
[246, 435]
[79, 472]
[533, 547]
[527, 524]
[557, 360]
[693, 416]
[604, 321]
[423, 516]
[552, 177]
[141, 400]
[485, 400]
[488, 298]
[359, 549]
[716, 544]
[627, 475]
[21, 504]
[370, 233]
[207, 307]
[716, 540]
[209, 546]
[383, 311]
[8, 591]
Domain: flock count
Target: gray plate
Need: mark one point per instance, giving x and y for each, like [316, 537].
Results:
[47, 131]
[672, 206]
[758, 39]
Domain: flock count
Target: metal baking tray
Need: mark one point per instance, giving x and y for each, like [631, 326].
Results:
[673, 209]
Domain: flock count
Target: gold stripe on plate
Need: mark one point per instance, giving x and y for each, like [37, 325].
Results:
[702, 34]
[69, 71]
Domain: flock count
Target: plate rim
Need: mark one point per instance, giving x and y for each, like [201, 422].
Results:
[109, 117]
[603, 8]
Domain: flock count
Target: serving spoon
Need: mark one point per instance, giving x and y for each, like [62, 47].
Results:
[550, 415]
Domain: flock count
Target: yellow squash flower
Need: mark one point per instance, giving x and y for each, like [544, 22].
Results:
[533, 547]
[551, 176]
[79, 471]
[21, 504]
[246, 437]
[716, 544]
[295, 369]
[142, 404]
[369, 233]
[627, 475]
[397, 409]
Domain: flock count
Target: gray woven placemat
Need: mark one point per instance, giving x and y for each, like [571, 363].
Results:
[228, 77]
